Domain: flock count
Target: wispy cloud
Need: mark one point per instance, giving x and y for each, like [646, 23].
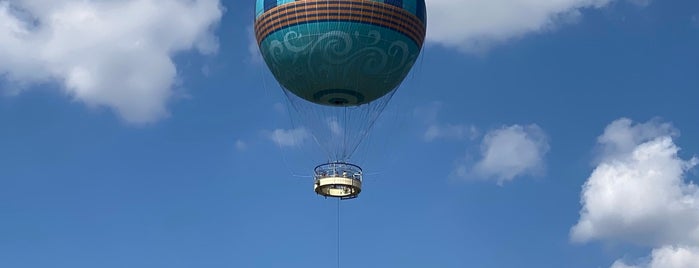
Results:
[254, 55]
[476, 25]
[241, 145]
[450, 131]
[637, 194]
[289, 137]
[428, 113]
[99, 57]
[507, 153]
[335, 128]
[436, 130]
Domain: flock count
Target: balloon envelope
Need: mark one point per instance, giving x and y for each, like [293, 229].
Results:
[340, 52]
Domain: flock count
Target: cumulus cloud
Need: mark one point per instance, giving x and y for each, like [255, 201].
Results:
[505, 153]
[475, 25]
[638, 193]
[509, 152]
[622, 137]
[667, 257]
[116, 54]
[289, 137]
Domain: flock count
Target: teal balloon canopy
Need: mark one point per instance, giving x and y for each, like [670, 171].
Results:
[340, 52]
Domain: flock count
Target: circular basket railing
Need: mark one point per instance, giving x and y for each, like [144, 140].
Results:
[338, 179]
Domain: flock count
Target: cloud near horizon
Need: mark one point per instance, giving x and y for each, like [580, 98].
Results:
[99, 57]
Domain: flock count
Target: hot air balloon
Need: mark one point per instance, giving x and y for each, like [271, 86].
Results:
[339, 63]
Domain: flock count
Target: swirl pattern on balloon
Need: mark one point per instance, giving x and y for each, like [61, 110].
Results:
[365, 62]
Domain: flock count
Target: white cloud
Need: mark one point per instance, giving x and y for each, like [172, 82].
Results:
[506, 153]
[281, 108]
[638, 193]
[289, 137]
[253, 49]
[622, 137]
[509, 152]
[435, 130]
[621, 264]
[240, 145]
[450, 131]
[475, 25]
[335, 128]
[105, 53]
[667, 257]
[428, 113]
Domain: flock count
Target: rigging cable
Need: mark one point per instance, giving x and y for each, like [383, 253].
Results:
[338, 233]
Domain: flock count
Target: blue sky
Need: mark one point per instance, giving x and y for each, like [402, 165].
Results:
[529, 134]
